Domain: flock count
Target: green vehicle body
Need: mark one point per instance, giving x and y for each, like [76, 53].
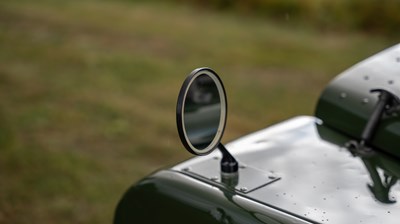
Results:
[302, 170]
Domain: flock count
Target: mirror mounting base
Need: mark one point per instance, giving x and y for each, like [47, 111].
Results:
[229, 164]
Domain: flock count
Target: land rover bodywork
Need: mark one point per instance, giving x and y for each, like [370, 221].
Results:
[340, 166]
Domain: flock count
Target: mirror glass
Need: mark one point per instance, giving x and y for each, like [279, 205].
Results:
[201, 111]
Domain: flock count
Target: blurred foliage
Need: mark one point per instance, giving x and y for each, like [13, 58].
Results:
[377, 16]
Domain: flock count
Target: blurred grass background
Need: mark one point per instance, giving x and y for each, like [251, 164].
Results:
[88, 89]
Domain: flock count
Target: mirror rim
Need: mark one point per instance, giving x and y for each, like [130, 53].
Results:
[180, 120]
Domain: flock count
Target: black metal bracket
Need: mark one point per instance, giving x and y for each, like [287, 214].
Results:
[388, 104]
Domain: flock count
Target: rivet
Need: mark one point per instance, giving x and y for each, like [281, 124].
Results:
[366, 77]
[215, 178]
[365, 100]
[186, 169]
[390, 82]
[398, 59]
[216, 157]
[243, 189]
[271, 177]
[343, 95]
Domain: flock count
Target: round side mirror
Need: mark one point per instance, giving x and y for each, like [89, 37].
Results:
[201, 111]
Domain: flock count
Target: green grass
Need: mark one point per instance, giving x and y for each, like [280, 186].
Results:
[88, 92]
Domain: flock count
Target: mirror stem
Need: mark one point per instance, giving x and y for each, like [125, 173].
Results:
[228, 162]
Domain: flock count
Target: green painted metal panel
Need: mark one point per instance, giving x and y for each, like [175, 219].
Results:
[320, 182]
[347, 103]
[172, 197]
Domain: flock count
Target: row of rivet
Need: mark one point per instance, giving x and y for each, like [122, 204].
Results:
[343, 95]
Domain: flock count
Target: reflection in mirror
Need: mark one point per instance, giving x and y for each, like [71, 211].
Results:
[202, 112]
[201, 116]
